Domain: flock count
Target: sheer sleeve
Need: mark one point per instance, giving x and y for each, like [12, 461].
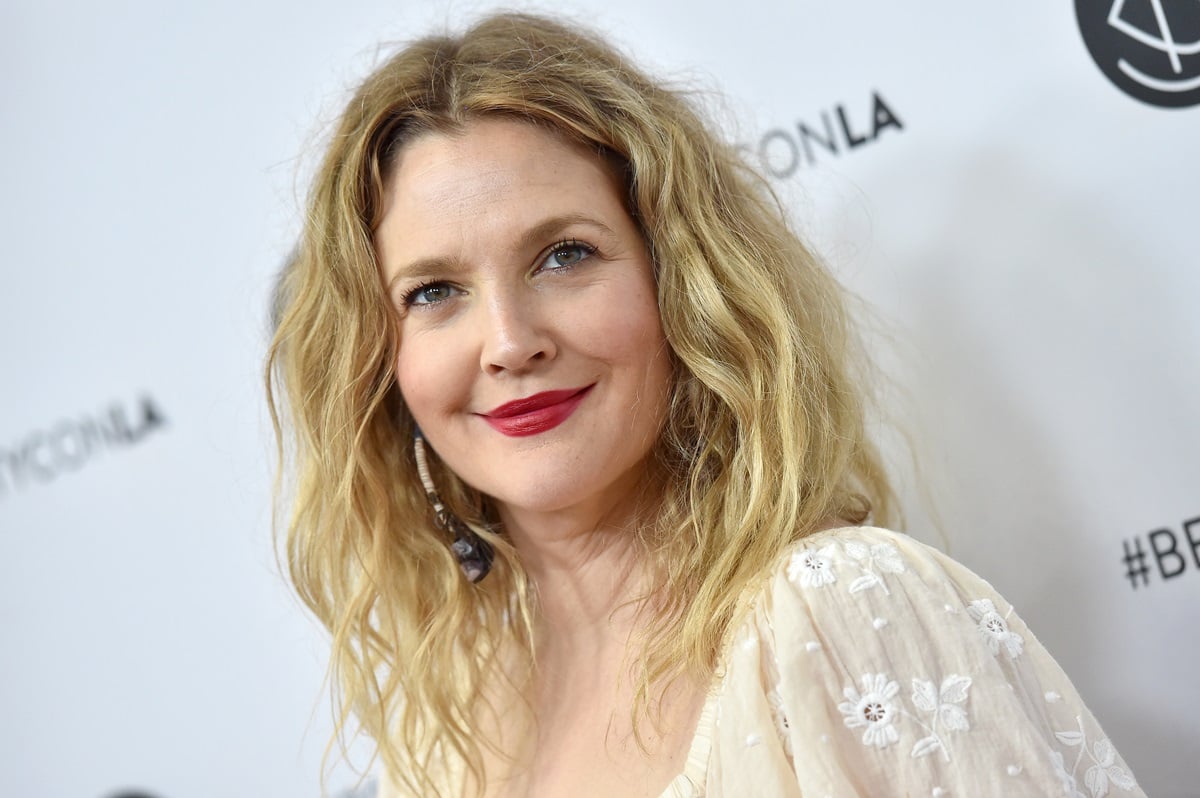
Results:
[894, 670]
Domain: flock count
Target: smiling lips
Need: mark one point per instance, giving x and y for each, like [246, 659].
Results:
[535, 414]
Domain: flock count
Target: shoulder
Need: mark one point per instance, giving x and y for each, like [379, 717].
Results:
[863, 554]
[877, 596]
[876, 603]
[897, 667]
[870, 567]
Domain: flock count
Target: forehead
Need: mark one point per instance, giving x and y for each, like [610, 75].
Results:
[491, 154]
[495, 178]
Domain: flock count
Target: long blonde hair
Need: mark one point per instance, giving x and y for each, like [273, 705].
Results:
[764, 442]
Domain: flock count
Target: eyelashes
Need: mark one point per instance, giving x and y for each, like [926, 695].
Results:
[429, 293]
[561, 254]
[559, 258]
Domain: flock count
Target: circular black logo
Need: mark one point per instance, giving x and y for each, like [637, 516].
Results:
[1149, 49]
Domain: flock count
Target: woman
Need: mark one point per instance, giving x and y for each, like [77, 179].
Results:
[582, 468]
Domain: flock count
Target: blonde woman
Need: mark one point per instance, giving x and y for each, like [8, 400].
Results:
[581, 474]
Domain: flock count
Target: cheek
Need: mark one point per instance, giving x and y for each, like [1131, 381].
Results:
[629, 335]
[621, 321]
[639, 335]
[425, 380]
[649, 348]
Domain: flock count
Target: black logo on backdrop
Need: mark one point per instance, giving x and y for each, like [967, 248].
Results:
[1172, 549]
[1149, 49]
[70, 444]
[782, 151]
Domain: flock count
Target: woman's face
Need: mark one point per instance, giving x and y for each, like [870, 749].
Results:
[531, 353]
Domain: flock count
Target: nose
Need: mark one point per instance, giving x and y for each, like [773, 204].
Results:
[516, 336]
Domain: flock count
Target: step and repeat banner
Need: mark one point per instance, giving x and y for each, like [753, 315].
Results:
[1011, 189]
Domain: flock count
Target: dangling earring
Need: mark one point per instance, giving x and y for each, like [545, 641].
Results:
[474, 555]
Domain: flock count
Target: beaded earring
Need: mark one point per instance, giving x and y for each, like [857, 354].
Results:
[474, 555]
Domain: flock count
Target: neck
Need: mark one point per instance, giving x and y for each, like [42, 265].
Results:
[587, 572]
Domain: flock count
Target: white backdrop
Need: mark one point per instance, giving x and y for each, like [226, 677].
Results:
[1025, 230]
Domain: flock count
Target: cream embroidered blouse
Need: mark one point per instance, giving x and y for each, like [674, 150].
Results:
[871, 665]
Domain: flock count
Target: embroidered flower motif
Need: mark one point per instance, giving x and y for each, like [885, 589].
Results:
[812, 567]
[944, 702]
[874, 708]
[782, 728]
[944, 705]
[995, 629]
[879, 709]
[872, 561]
[1104, 767]
[1069, 788]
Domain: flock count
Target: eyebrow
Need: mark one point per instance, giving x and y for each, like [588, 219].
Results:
[533, 236]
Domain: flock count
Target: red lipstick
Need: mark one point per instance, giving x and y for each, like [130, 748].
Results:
[535, 414]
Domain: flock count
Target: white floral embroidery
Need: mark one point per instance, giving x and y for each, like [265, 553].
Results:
[937, 715]
[944, 707]
[878, 708]
[1069, 788]
[995, 629]
[872, 561]
[781, 722]
[1103, 771]
[945, 702]
[812, 567]
[874, 708]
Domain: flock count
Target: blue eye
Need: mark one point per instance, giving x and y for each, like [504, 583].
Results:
[429, 294]
[566, 254]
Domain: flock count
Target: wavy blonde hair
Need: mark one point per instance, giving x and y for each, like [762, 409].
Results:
[765, 440]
